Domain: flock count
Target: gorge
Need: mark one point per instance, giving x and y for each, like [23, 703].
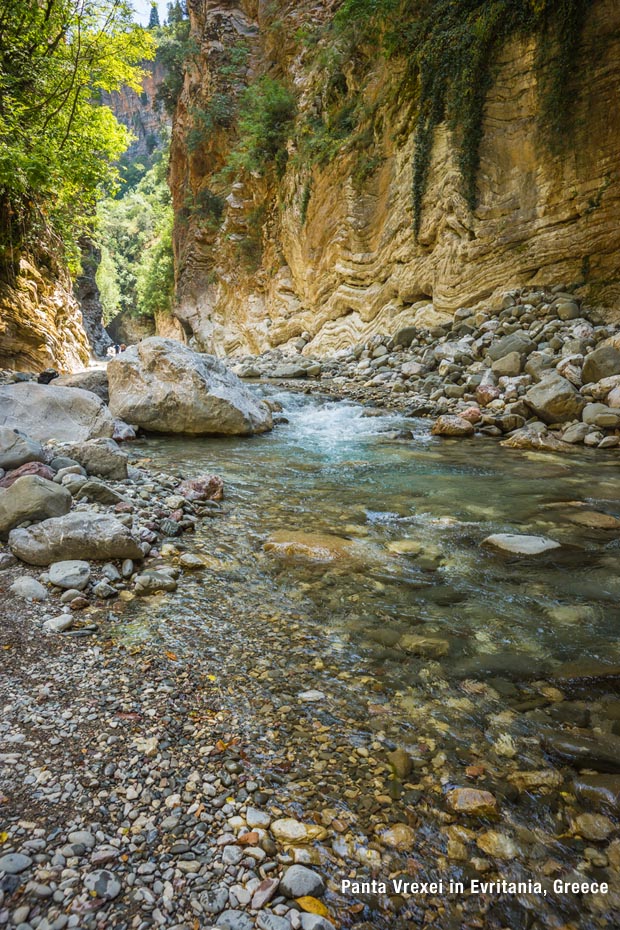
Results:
[310, 592]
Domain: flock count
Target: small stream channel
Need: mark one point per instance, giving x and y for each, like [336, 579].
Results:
[423, 640]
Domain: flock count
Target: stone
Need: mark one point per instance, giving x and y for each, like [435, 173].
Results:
[152, 581]
[518, 342]
[17, 449]
[508, 366]
[554, 399]
[601, 792]
[405, 336]
[70, 574]
[89, 535]
[540, 440]
[314, 547]
[448, 425]
[595, 520]
[30, 468]
[432, 647]
[575, 433]
[191, 562]
[58, 624]
[95, 491]
[315, 922]
[30, 499]
[29, 589]
[166, 387]
[411, 369]
[486, 393]
[601, 415]
[44, 411]
[94, 380]
[401, 763]
[593, 827]
[472, 801]
[264, 893]
[288, 830]
[601, 363]
[496, 844]
[103, 884]
[234, 920]
[299, 881]
[312, 696]
[257, 818]
[400, 836]
[583, 749]
[269, 921]
[516, 544]
[14, 863]
[202, 488]
[528, 781]
[567, 309]
[100, 457]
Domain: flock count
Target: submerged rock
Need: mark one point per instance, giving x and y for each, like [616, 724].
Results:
[516, 544]
[584, 749]
[165, 387]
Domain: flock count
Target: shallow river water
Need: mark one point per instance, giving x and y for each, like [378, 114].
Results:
[417, 638]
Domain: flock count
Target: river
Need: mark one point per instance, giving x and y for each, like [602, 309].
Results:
[422, 640]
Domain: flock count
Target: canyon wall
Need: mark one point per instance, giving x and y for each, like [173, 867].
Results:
[41, 323]
[329, 251]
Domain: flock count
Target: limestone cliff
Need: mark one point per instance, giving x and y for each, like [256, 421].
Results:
[329, 251]
[41, 322]
[140, 112]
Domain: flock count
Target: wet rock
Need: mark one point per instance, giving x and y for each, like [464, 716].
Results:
[420, 645]
[298, 882]
[593, 827]
[151, 582]
[529, 781]
[496, 844]
[583, 749]
[89, 535]
[191, 562]
[165, 387]
[554, 399]
[401, 763]
[70, 574]
[588, 673]
[400, 836]
[517, 544]
[30, 499]
[16, 448]
[511, 665]
[100, 457]
[602, 792]
[203, 488]
[541, 441]
[315, 547]
[45, 411]
[472, 801]
[448, 425]
[594, 519]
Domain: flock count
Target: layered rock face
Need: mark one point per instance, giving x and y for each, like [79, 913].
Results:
[140, 112]
[335, 258]
[41, 323]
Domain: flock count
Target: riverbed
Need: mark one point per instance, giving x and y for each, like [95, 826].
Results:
[424, 641]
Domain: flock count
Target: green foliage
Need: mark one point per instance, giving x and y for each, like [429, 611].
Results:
[136, 273]
[174, 47]
[154, 16]
[219, 113]
[450, 48]
[57, 145]
[266, 117]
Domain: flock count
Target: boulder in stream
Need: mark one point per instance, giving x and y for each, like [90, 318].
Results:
[74, 536]
[165, 387]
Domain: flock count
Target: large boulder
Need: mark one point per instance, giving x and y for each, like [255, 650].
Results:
[74, 536]
[554, 399]
[91, 379]
[518, 342]
[101, 457]
[17, 449]
[165, 387]
[44, 412]
[602, 363]
[31, 498]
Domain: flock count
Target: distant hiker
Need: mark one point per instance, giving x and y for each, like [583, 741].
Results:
[123, 347]
[46, 376]
[117, 349]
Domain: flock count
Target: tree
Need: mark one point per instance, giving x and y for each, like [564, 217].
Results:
[154, 17]
[57, 144]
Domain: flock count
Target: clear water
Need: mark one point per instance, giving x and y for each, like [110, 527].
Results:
[275, 627]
